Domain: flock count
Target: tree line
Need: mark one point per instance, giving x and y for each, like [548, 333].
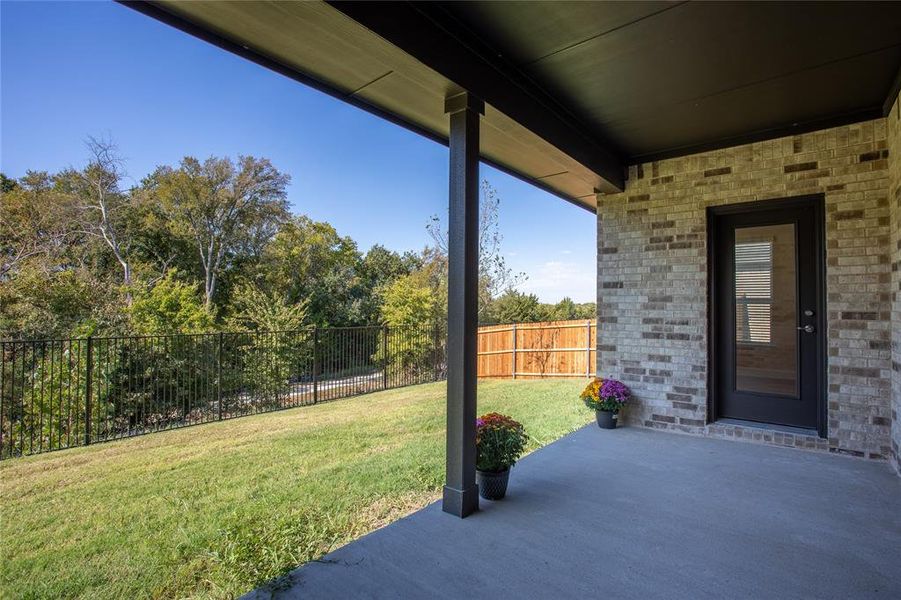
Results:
[206, 245]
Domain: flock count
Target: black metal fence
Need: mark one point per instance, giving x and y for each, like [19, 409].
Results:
[57, 394]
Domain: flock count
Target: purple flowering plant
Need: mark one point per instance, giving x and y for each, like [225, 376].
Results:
[606, 394]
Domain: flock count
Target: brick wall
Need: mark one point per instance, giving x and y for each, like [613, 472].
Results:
[894, 146]
[652, 278]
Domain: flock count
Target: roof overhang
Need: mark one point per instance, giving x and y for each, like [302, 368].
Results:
[320, 46]
[576, 91]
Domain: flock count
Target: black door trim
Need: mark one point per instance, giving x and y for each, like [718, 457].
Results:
[815, 202]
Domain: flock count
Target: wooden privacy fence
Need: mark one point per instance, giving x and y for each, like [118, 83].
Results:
[538, 350]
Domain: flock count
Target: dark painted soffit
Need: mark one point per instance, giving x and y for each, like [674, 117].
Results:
[429, 33]
[435, 35]
[160, 13]
[664, 79]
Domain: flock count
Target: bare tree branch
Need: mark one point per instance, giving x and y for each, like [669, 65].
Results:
[98, 186]
[495, 277]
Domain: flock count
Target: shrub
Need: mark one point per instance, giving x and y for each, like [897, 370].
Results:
[259, 310]
[171, 306]
[500, 442]
[605, 394]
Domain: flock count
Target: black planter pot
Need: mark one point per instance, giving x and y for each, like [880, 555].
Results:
[606, 419]
[492, 486]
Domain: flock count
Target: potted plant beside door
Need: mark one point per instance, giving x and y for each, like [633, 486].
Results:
[500, 441]
[606, 397]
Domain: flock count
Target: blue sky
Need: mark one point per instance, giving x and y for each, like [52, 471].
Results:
[74, 69]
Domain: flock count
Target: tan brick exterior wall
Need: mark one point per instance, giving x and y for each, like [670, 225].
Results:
[652, 278]
[894, 145]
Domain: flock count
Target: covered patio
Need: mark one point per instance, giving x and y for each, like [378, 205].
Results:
[633, 513]
[743, 161]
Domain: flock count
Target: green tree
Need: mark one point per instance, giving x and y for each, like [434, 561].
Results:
[259, 310]
[410, 309]
[166, 378]
[275, 350]
[39, 303]
[170, 306]
[55, 281]
[228, 209]
[7, 184]
[567, 310]
[381, 265]
[35, 222]
[515, 307]
[409, 301]
[308, 261]
[379, 268]
[586, 310]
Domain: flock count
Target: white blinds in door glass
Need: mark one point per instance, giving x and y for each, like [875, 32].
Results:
[753, 291]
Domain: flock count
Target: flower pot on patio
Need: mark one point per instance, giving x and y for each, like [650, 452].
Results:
[493, 486]
[606, 419]
[500, 441]
[606, 397]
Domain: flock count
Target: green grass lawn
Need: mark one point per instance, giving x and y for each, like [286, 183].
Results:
[215, 510]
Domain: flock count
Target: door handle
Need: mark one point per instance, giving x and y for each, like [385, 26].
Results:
[806, 329]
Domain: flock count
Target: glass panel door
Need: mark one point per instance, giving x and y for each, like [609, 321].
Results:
[766, 308]
[768, 347]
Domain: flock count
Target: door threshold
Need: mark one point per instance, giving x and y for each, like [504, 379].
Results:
[770, 427]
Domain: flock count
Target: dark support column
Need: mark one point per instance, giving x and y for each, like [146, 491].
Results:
[461, 495]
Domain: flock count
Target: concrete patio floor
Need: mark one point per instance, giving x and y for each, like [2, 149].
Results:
[635, 513]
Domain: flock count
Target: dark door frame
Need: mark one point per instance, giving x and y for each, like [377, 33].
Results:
[815, 202]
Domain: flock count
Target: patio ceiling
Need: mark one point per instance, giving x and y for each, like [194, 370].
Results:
[321, 47]
[660, 79]
[577, 91]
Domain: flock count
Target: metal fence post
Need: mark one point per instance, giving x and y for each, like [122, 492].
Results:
[88, 390]
[219, 377]
[437, 352]
[385, 353]
[315, 364]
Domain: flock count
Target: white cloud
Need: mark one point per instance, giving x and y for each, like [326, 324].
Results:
[566, 252]
[553, 280]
